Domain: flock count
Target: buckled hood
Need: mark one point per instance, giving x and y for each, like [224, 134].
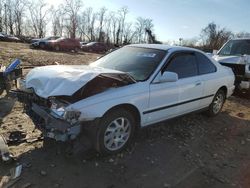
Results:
[233, 59]
[58, 80]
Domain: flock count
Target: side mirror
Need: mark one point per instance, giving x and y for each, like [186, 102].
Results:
[168, 77]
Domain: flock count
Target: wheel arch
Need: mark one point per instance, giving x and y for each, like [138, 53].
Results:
[223, 88]
[130, 108]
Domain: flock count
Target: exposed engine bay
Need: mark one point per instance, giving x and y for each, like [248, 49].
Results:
[49, 113]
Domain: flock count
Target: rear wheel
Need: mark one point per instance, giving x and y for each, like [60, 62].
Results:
[217, 104]
[76, 49]
[116, 131]
[57, 48]
[42, 45]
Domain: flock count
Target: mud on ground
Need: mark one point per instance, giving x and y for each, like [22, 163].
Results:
[192, 151]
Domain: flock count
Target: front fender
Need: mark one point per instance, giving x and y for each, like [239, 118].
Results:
[96, 106]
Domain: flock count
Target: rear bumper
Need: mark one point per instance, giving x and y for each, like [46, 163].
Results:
[230, 91]
[245, 85]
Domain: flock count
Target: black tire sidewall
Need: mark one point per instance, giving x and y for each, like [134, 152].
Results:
[57, 48]
[210, 111]
[42, 45]
[103, 124]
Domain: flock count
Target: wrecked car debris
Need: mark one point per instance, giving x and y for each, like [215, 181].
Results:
[235, 54]
[11, 178]
[63, 80]
[108, 99]
[4, 150]
[9, 74]
[81, 82]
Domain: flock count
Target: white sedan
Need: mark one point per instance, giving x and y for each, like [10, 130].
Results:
[135, 86]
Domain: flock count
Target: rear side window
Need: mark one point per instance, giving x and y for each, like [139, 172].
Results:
[184, 65]
[204, 64]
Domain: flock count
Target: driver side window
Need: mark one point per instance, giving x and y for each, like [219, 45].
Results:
[184, 64]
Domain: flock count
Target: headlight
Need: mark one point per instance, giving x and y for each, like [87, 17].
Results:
[59, 111]
[21, 85]
[72, 116]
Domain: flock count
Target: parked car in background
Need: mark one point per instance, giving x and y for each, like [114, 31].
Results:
[2, 36]
[9, 38]
[42, 43]
[134, 86]
[64, 44]
[236, 55]
[95, 47]
[83, 43]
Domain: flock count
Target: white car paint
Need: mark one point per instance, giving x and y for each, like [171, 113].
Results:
[154, 101]
[147, 96]
[56, 80]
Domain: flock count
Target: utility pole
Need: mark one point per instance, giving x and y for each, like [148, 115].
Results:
[180, 41]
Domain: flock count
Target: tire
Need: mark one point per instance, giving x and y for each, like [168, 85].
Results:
[217, 103]
[76, 50]
[57, 48]
[111, 138]
[1, 91]
[42, 45]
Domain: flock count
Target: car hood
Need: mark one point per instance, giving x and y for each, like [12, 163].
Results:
[58, 80]
[245, 59]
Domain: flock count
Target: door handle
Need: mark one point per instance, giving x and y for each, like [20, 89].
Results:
[197, 83]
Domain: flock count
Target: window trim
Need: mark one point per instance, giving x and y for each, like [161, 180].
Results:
[165, 66]
[197, 60]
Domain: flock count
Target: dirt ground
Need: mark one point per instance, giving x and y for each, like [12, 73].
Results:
[189, 152]
[11, 51]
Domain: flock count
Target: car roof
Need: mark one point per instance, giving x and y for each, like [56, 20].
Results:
[241, 39]
[163, 47]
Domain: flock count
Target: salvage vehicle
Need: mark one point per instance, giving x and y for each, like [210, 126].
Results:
[9, 75]
[9, 38]
[95, 47]
[134, 86]
[236, 55]
[64, 44]
[42, 43]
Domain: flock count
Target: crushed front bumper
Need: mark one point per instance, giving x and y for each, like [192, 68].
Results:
[53, 127]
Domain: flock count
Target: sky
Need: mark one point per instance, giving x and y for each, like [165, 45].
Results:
[174, 19]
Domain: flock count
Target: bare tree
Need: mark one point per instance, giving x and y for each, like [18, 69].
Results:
[57, 21]
[1, 15]
[10, 16]
[148, 36]
[114, 25]
[213, 37]
[140, 29]
[19, 9]
[39, 11]
[72, 9]
[108, 22]
[123, 13]
[101, 20]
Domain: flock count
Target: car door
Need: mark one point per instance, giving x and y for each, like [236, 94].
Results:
[161, 97]
[208, 75]
[190, 85]
[170, 99]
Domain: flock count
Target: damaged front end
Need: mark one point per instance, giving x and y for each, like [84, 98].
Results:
[51, 114]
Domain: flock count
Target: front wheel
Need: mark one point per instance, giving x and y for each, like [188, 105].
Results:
[116, 131]
[217, 104]
[57, 48]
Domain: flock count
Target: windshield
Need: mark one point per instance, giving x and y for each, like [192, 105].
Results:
[236, 47]
[140, 63]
